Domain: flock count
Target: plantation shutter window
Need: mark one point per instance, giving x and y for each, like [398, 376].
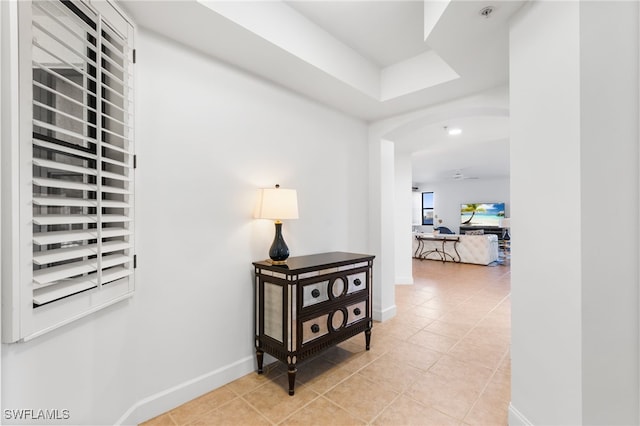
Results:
[82, 176]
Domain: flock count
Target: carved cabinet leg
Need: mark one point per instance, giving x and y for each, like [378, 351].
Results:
[260, 359]
[292, 377]
[367, 337]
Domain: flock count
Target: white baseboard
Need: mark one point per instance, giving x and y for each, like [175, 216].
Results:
[385, 314]
[404, 280]
[166, 400]
[516, 418]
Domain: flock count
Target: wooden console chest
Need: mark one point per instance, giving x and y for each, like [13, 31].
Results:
[310, 304]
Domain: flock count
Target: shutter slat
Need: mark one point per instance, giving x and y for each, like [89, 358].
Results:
[122, 123]
[64, 166]
[62, 95]
[56, 111]
[59, 219]
[119, 108]
[80, 55]
[116, 176]
[111, 246]
[118, 135]
[69, 253]
[64, 201]
[64, 184]
[69, 30]
[63, 254]
[67, 63]
[80, 22]
[58, 237]
[51, 275]
[114, 260]
[115, 232]
[65, 149]
[111, 61]
[114, 147]
[117, 79]
[115, 204]
[115, 162]
[111, 218]
[45, 295]
[115, 274]
[113, 33]
[121, 51]
[113, 91]
[114, 190]
[63, 131]
[59, 76]
[115, 52]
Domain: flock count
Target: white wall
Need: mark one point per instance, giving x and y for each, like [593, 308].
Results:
[228, 134]
[574, 146]
[382, 225]
[544, 286]
[449, 195]
[609, 155]
[404, 219]
[207, 137]
[416, 202]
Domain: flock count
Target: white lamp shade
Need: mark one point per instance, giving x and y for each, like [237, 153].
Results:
[277, 204]
[505, 223]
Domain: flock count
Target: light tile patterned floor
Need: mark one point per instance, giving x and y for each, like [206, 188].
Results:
[443, 360]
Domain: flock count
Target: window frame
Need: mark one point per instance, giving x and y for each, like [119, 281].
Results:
[427, 211]
[21, 320]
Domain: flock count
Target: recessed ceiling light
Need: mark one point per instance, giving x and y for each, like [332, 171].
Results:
[454, 131]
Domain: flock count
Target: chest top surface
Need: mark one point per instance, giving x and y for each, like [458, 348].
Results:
[301, 264]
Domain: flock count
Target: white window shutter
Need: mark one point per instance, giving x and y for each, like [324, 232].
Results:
[80, 177]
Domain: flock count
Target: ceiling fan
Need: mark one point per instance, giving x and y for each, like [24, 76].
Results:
[458, 175]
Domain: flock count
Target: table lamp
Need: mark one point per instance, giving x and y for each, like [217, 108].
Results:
[506, 224]
[278, 204]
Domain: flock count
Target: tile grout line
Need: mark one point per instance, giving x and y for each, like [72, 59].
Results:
[494, 370]
[493, 374]
[246, 401]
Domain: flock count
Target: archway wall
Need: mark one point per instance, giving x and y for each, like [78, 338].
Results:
[390, 188]
[574, 99]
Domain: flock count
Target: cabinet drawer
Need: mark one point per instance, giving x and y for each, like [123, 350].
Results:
[315, 293]
[357, 282]
[314, 328]
[356, 312]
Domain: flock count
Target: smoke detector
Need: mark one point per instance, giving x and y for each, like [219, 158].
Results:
[487, 11]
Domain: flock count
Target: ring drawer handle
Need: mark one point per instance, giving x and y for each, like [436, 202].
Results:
[315, 328]
[357, 311]
[315, 292]
[357, 282]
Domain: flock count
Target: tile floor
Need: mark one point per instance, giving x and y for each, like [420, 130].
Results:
[443, 360]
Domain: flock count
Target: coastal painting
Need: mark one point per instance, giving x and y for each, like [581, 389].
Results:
[481, 214]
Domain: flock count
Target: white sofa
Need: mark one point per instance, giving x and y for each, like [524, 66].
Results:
[478, 249]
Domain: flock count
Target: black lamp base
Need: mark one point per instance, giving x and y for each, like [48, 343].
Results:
[279, 252]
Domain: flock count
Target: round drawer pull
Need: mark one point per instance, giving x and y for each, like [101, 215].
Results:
[315, 328]
[357, 282]
[357, 311]
[315, 292]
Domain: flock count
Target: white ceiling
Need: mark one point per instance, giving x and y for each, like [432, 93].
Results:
[385, 32]
[481, 151]
[355, 52]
